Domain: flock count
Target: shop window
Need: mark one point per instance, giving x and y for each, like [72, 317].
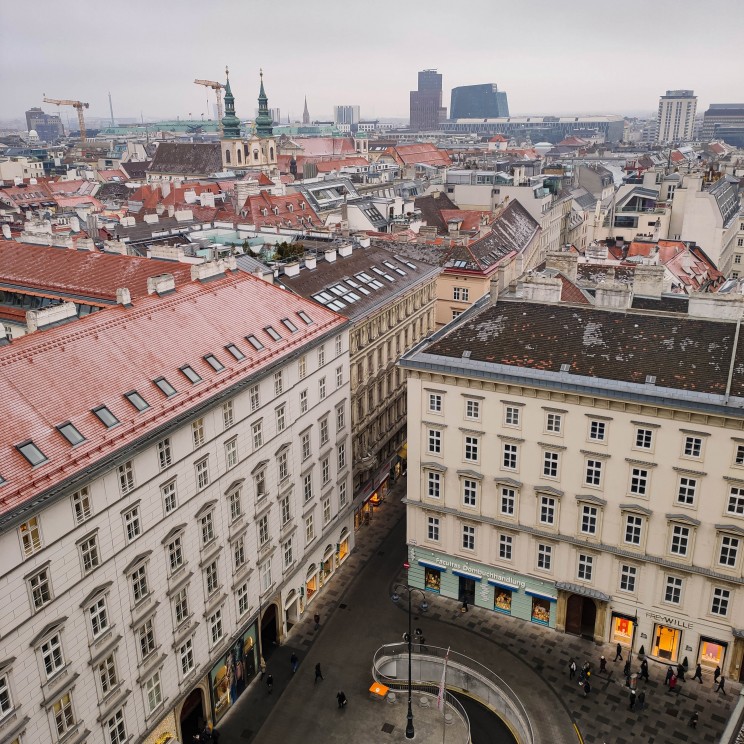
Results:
[540, 611]
[666, 642]
[432, 579]
[502, 601]
[622, 630]
[711, 653]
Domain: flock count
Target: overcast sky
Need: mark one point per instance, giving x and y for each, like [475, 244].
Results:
[550, 56]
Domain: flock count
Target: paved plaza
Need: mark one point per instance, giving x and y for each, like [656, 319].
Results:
[357, 617]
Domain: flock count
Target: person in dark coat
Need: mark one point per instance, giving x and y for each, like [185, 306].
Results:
[641, 700]
[341, 698]
[619, 652]
[602, 665]
[632, 700]
[318, 673]
[692, 723]
[716, 674]
[699, 674]
[571, 669]
[669, 675]
[587, 688]
[681, 672]
[721, 683]
[644, 670]
[294, 662]
[626, 671]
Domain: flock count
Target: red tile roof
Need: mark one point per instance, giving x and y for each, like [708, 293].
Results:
[60, 271]
[113, 175]
[423, 153]
[61, 374]
[471, 218]
[260, 210]
[320, 146]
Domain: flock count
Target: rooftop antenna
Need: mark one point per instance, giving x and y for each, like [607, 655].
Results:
[111, 109]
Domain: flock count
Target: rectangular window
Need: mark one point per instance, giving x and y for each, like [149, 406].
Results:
[236, 352]
[165, 457]
[278, 383]
[138, 578]
[243, 605]
[435, 403]
[197, 432]
[729, 551]
[106, 417]
[739, 455]
[547, 510]
[81, 505]
[544, 556]
[633, 527]
[323, 431]
[585, 568]
[325, 470]
[593, 473]
[322, 388]
[281, 418]
[321, 356]
[433, 529]
[340, 418]
[434, 442]
[303, 401]
[263, 530]
[550, 464]
[735, 504]
[327, 510]
[341, 455]
[286, 510]
[471, 448]
[257, 432]
[181, 606]
[41, 589]
[468, 537]
[283, 464]
[231, 452]
[339, 376]
[254, 342]
[472, 409]
[191, 374]
[302, 367]
[720, 602]
[89, 554]
[339, 345]
[165, 387]
[132, 524]
[255, 398]
[553, 423]
[686, 490]
[202, 473]
[508, 501]
[107, 674]
[460, 293]
[597, 430]
[509, 456]
[126, 478]
[511, 416]
[287, 553]
[146, 639]
[506, 545]
[64, 717]
[215, 627]
[6, 703]
[639, 481]
[589, 516]
[259, 482]
[228, 414]
[673, 590]
[211, 578]
[52, 656]
[693, 446]
[644, 438]
[434, 482]
[628, 577]
[307, 488]
[30, 536]
[206, 524]
[309, 529]
[265, 575]
[186, 656]
[469, 492]
[98, 616]
[341, 495]
[305, 445]
[175, 554]
[680, 540]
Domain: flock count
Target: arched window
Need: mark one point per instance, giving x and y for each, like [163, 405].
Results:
[271, 153]
[246, 152]
[240, 157]
[227, 156]
[255, 154]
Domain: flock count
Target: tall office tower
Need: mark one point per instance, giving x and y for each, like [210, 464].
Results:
[346, 115]
[721, 120]
[484, 101]
[426, 102]
[676, 118]
[48, 126]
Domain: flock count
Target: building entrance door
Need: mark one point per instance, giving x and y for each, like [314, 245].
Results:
[581, 616]
[467, 590]
[268, 631]
[193, 717]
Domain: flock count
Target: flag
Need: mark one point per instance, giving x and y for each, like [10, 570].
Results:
[442, 684]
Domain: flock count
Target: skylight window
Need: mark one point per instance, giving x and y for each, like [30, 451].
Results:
[236, 352]
[364, 290]
[106, 416]
[323, 298]
[137, 400]
[375, 284]
[291, 327]
[2, 481]
[305, 318]
[336, 305]
[32, 453]
[407, 263]
[363, 276]
[254, 342]
[165, 386]
[190, 373]
[273, 333]
[214, 363]
[70, 433]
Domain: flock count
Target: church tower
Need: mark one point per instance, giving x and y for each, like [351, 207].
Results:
[263, 120]
[305, 114]
[232, 147]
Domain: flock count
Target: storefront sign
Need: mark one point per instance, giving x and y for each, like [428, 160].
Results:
[671, 622]
[480, 572]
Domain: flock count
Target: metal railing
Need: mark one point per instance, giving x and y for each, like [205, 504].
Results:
[513, 709]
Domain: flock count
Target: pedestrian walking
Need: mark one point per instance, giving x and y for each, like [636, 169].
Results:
[669, 674]
[602, 665]
[571, 668]
[464, 607]
[641, 702]
[716, 674]
[626, 672]
[721, 683]
[294, 662]
[632, 701]
[644, 670]
[587, 688]
[316, 617]
[269, 683]
[681, 672]
[318, 673]
[692, 723]
[341, 698]
[699, 674]
[262, 667]
[673, 683]
[619, 652]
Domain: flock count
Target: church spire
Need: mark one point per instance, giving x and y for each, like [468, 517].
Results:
[263, 120]
[305, 114]
[230, 122]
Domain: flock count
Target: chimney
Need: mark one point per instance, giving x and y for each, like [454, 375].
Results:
[564, 262]
[648, 280]
[614, 295]
[151, 219]
[292, 269]
[542, 289]
[161, 284]
[493, 291]
[714, 306]
[345, 250]
[330, 255]
[123, 297]
[205, 271]
[171, 210]
[184, 215]
[311, 262]
[38, 319]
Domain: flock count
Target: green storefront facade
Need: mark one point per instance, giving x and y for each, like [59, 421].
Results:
[502, 591]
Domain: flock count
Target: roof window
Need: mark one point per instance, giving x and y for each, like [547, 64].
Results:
[254, 342]
[137, 400]
[2, 481]
[305, 318]
[70, 433]
[106, 416]
[190, 373]
[31, 452]
[289, 325]
[214, 363]
[236, 352]
[165, 386]
[273, 333]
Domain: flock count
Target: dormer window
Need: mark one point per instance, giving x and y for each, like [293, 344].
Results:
[290, 207]
[273, 333]
[264, 211]
[289, 325]
[137, 400]
[32, 453]
[70, 433]
[190, 374]
[275, 210]
[254, 342]
[302, 206]
[106, 417]
[236, 352]
[165, 386]
[305, 318]
[214, 363]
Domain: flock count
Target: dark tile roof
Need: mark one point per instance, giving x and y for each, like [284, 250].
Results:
[682, 353]
[136, 168]
[430, 208]
[668, 303]
[426, 252]
[187, 159]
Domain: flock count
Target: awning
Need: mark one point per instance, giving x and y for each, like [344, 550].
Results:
[466, 575]
[502, 585]
[540, 595]
[431, 565]
[584, 591]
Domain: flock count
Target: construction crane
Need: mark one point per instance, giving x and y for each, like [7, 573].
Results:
[79, 105]
[217, 88]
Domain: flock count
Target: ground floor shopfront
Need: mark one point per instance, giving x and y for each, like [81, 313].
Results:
[370, 497]
[506, 592]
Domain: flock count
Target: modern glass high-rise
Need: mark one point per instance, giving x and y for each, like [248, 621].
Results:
[426, 102]
[676, 117]
[47, 126]
[483, 101]
[346, 115]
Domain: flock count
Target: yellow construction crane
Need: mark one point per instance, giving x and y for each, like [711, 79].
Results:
[217, 88]
[79, 105]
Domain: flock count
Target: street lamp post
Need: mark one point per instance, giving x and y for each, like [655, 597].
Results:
[424, 606]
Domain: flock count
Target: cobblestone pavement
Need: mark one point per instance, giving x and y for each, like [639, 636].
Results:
[533, 659]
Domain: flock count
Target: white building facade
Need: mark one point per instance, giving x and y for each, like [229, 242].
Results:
[676, 116]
